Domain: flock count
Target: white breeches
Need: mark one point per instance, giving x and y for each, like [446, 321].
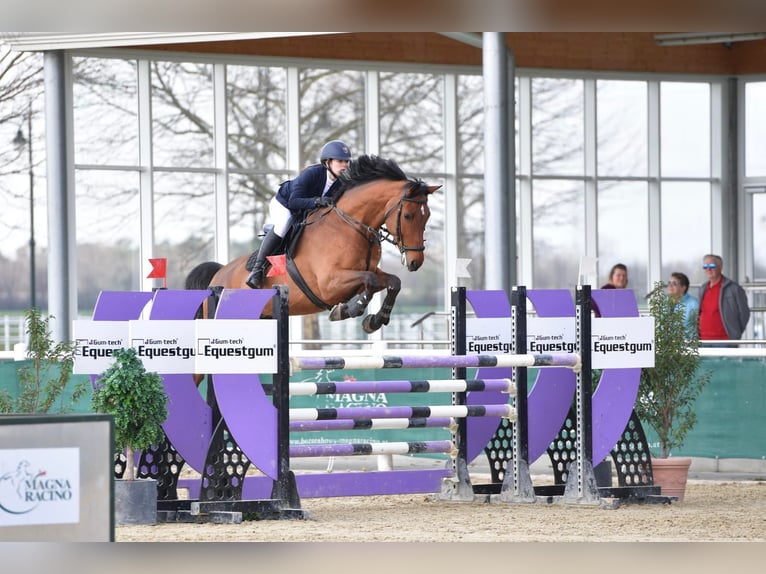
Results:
[280, 216]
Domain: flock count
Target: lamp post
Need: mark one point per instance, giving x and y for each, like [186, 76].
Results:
[20, 141]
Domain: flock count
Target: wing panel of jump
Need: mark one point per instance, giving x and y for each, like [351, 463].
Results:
[617, 390]
[551, 396]
[189, 425]
[249, 413]
[479, 431]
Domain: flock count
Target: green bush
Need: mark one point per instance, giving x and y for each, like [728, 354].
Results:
[136, 399]
[43, 382]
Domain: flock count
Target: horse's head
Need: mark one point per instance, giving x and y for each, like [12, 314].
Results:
[408, 217]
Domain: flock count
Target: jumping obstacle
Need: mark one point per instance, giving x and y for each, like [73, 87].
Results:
[387, 482]
[280, 493]
[595, 426]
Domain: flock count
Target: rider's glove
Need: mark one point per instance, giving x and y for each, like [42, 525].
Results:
[323, 201]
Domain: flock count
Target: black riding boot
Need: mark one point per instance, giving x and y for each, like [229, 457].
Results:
[269, 245]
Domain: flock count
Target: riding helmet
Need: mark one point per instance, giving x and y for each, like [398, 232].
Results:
[335, 149]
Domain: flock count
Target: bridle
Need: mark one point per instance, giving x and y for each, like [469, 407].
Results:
[397, 240]
[377, 236]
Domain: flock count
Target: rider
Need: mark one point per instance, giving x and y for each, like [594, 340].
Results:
[312, 188]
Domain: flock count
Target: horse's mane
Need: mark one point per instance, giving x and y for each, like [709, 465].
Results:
[367, 168]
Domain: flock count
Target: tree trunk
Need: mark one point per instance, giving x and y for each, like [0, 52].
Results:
[130, 470]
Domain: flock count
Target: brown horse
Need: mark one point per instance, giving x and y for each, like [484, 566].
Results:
[333, 262]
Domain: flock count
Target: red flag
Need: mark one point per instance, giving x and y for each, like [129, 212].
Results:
[278, 265]
[159, 268]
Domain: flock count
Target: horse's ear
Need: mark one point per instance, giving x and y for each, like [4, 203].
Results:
[431, 188]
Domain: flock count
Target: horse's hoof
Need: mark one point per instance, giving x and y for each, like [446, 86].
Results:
[368, 324]
[336, 313]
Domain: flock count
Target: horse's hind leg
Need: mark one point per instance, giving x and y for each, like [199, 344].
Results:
[372, 323]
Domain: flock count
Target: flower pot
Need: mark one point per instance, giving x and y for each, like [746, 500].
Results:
[670, 475]
[135, 501]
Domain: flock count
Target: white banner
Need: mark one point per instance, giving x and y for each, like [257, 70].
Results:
[165, 346]
[96, 342]
[622, 342]
[234, 346]
[489, 336]
[551, 335]
[616, 342]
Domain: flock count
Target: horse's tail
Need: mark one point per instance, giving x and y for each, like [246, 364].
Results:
[200, 278]
[201, 275]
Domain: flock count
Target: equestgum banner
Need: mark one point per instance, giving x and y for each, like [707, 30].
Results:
[223, 346]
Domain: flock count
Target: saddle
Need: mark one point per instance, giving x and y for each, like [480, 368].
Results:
[287, 246]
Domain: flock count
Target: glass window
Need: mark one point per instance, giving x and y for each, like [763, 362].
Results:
[247, 216]
[624, 239]
[470, 231]
[759, 236]
[759, 264]
[332, 108]
[422, 290]
[257, 144]
[755, 129]
[685, 129]
[557, 126]
[184, 222]
[182, 114]
[105, 111]
[622, 128]
[470, 124]
[685, 227]
[256, 116]
[559, 232]
[411, 121]
[107, 234]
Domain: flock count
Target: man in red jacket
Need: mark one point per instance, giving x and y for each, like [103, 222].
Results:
[724, 310]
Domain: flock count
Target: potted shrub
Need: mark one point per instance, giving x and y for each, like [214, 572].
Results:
[667, 391]
[138, 402]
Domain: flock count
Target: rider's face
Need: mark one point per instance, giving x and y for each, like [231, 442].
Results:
[337, 166]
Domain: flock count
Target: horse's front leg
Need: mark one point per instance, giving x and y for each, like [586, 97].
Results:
[356, 305]
[372, 323]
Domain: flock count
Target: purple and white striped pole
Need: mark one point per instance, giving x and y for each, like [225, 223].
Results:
[457, 411]
[571, 360]
[426, 386]
[359, 449]
[373, 424]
